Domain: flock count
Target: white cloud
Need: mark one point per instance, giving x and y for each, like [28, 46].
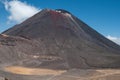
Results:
[19, 11]
[114, 39]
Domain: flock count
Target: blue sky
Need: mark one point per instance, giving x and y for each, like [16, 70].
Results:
[102, 15]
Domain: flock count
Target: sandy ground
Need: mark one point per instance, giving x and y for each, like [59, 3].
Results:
[32, 71]
[24, 73]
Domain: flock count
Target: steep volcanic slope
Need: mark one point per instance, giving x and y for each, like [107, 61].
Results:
[56, 39]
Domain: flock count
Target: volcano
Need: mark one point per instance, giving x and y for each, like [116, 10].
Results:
[57, 40]
[61, 37]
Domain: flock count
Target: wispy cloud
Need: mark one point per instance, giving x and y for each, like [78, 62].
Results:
[114, 39]
[19, 11]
